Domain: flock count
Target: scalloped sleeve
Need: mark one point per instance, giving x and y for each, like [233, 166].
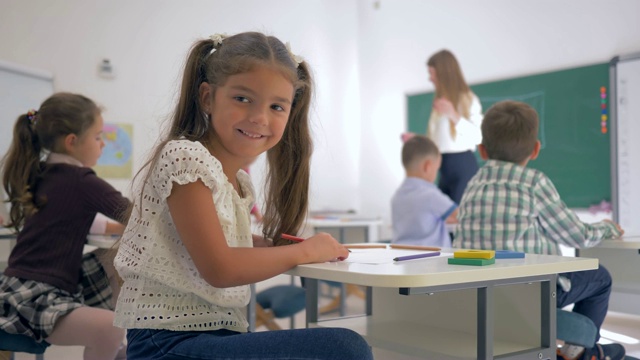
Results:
[183, 162]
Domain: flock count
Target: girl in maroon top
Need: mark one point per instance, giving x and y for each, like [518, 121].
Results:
[48, 285]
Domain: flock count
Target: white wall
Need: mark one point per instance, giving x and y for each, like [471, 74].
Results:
[365, 59]
[147, 42]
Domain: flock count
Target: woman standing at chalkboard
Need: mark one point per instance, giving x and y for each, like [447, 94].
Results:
[454, 124]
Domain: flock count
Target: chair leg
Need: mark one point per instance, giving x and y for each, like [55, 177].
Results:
[355, 290]
[332, 306]
[335, 303]
[265, 318]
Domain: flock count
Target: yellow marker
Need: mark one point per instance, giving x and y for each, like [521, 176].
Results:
[474, 254]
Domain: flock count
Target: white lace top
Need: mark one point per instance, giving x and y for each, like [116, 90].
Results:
[162, 288]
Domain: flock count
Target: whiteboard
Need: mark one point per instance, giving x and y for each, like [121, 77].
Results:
[625, 142]
[21, 89]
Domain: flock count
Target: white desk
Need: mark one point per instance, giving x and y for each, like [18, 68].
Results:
[434, 310]
[9, 242]
[102, 241]
[622, 259]
[370, 226]
[342, 223]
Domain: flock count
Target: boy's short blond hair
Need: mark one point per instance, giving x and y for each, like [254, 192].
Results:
[510, 131]
[417, 148]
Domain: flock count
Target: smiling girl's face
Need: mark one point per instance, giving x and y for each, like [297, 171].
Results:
[249, 113]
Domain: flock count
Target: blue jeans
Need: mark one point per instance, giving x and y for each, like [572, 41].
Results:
[316, 343]
[589, 292]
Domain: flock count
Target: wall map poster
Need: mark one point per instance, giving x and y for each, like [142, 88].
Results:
[116, 160]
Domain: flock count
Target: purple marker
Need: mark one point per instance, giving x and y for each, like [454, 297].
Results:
[417, 256]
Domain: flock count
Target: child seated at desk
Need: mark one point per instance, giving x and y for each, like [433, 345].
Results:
[49, 290]
[507, 206]
[419, 209]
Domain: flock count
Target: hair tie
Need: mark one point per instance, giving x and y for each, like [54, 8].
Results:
[217, 40]
[31, 115]
[298, 59]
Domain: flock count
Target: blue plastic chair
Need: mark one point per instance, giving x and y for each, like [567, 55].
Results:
[23, 344]
[279, 302]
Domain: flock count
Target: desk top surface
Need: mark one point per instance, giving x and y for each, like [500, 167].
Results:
[102, 241]
[345, 221]
[436, 271]
[627, 242]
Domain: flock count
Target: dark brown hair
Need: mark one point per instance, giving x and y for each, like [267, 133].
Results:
[35, 135]
[450, 81]
[287, 185]
[417, 148]
[510, 131]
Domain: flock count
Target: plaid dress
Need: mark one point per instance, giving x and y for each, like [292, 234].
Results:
[32, 308]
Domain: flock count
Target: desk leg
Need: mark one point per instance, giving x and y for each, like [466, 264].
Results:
[485, 322]
[369, 301]
[547, 307]
[251, 309]
[343, 299]
[311, 287]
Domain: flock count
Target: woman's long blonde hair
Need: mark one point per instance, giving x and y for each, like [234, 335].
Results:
[450, 82]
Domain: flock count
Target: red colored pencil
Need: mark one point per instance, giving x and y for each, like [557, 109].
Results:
[292, 238]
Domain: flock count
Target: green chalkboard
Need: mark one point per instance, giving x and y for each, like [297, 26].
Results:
[575, 152]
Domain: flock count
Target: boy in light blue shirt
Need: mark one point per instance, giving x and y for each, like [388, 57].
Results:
[419, 210]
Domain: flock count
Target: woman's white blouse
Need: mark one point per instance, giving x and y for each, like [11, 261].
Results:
[468, 133]
[162, 287]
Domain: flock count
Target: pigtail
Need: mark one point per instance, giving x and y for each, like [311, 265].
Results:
[189, 119]
[20, 170]
[287, 184]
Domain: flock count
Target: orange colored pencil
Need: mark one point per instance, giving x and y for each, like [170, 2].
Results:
[414, 247]
[366, 246]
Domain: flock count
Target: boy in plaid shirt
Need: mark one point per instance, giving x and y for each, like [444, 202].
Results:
[507, 206]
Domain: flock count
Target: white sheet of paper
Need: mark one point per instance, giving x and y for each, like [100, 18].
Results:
[382, 256]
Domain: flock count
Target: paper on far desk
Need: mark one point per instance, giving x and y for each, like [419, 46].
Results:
[383, 256]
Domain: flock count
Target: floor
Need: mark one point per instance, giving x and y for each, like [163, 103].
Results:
[618, 327]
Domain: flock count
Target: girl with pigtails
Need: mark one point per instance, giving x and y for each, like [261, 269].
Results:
[187, 256]
[50, 291]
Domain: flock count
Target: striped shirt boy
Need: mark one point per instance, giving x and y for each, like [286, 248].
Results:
[510, 207]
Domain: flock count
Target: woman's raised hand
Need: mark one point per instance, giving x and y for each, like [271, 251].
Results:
[446, 108]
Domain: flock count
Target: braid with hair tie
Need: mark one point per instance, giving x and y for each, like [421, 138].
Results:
[32, 116]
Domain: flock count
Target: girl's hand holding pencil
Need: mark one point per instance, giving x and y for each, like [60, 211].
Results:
[322, 247]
